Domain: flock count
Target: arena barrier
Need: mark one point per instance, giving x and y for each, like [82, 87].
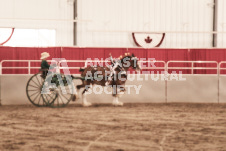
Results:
[202, 88]
[196, 89]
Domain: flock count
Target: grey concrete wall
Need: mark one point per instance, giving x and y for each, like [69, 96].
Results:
[196, 88]
[222, 89]
[13, 89]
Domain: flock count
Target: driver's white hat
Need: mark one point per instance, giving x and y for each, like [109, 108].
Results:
[44, 55]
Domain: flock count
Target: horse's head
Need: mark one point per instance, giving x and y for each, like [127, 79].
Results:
[130, 61]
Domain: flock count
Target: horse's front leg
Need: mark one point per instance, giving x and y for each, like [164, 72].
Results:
[84, 101]
[121, 91]
[116, 101]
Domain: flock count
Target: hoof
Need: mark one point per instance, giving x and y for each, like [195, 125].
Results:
[86, 104]
[120, 94]
[117, 103]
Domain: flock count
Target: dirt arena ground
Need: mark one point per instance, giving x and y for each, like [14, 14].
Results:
[133, 127]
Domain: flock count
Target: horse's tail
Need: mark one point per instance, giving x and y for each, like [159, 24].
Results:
[81, 70]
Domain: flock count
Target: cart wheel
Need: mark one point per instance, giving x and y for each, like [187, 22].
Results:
[61, 95]
[33, 90]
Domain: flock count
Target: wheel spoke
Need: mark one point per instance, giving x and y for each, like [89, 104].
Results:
[58, 101]
[61, 99]
[40, 99]
[52, 97]
[49, 98]
[33, 86]
[33, 94]
[38, 80]
[36, 97]
[65, 97]
[43, 101]
[32, 90]
[34, 82]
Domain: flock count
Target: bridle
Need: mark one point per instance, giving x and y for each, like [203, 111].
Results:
[135, 60]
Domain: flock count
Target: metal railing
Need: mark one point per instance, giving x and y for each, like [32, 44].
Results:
[222, 68]
[80, 61]
[29, 67]
[165, 65]
[192, 68]
[153, 66]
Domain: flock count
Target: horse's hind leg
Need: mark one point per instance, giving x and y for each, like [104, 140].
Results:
[76, 94]
[84, 101]
[78, 90]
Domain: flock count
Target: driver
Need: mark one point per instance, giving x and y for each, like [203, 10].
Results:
[45, 67]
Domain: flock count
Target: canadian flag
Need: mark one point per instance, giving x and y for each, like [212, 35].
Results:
[148, 40]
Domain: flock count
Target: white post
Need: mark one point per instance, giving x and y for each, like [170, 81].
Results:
[166, 70]
[192, 66]
[29, 67]
[1, 68]
[0, 83]
[0, 89]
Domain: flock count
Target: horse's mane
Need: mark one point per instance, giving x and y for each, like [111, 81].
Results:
[125, 56]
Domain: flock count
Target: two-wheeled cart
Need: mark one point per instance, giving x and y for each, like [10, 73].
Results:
[59, 96]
